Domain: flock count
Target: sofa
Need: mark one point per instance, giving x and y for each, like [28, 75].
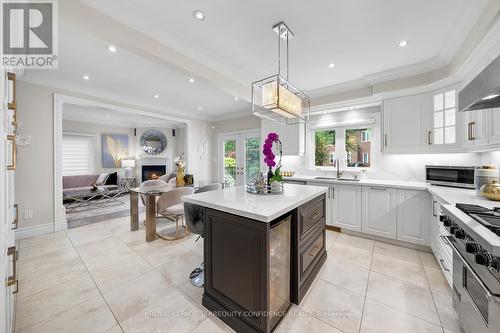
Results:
[81, 183]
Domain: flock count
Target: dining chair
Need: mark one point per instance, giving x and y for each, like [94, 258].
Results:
[194, 221]
[171, 206]
[151, 184]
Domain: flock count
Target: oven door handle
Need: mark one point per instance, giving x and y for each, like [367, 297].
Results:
[469, 268]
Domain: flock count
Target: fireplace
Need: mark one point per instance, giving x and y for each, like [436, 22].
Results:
[150, 172]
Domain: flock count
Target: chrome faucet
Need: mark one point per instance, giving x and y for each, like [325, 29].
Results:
[339, 173]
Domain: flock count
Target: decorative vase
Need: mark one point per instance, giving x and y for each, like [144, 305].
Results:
[180, 176]
[270, 175]
[276, 187]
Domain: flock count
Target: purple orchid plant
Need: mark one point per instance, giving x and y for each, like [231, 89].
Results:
[269, 156]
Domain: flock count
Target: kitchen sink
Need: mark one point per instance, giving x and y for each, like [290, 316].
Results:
[348, 179]
[333, 178]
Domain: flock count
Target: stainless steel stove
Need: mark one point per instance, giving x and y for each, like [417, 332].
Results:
[475, 240]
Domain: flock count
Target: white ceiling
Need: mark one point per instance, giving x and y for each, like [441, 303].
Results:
[112, 117]
[236, 41]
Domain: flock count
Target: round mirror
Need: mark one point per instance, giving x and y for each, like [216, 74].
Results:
[153, 142]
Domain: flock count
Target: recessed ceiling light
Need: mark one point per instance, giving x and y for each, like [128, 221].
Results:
[108, 116]
[112, 48]
[191, 80]
[236, 98]
[86, 77]
[149, 121]
[199, 108]
[403, 43]
[156, 96]
[199, 15]
[331, 65]
[490, 97]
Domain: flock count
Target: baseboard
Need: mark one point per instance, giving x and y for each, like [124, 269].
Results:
[423, 248]
[33, 231]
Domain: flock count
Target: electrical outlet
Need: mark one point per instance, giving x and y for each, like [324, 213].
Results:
[28, 214]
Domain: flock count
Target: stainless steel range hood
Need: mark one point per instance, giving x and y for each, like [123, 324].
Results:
[483, 92]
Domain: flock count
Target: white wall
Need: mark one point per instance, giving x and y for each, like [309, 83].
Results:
[34, 179]
[200, 152]
[70, 126]
[172, 145]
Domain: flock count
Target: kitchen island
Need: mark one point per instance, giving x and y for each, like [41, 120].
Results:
[261, 252]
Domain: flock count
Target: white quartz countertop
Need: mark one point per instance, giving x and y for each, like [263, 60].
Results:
[449, 195]
[265, 208]
[365, 182]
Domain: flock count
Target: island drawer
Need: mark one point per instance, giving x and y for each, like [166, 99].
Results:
[310, 215]
[309, 253]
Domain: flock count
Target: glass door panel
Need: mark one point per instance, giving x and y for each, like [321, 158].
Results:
[252, 158]
[229, 165]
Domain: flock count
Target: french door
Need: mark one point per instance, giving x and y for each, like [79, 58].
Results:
[239, 157]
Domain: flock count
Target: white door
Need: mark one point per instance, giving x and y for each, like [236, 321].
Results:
[240, 157]
[379, 211]
[7, 209]
[413, 223]
[346, 211]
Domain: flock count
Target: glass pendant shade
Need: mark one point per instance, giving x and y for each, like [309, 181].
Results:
[276, 99]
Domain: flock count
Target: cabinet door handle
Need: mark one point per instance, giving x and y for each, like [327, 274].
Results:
[434, 202]
[443, 265]
[473, 130]
[333, 192]
[429, 138]
[385, 140]
[379, 188]
[12, 139]
[468, 131]
[12, 280]
[314, 251]
[16, 218]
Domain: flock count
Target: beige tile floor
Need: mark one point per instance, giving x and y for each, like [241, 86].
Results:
[104, 278]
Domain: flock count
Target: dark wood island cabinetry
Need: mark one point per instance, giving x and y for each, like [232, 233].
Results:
[254, 270]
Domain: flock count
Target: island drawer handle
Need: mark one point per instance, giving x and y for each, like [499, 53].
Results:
[445, 240]
[316, 216]
[314, 251]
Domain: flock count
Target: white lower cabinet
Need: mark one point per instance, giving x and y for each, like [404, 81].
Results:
[346, 207]
[379, 211]
[412, 216]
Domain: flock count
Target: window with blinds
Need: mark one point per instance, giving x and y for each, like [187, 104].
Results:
[78, 153]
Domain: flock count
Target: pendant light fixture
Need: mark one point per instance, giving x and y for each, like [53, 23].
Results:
[274, 97]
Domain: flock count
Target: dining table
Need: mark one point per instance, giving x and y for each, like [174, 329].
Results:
[150, 194]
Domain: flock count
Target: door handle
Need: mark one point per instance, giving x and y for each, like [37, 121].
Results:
[429, 138]
[473, 130]
[16, 218]
[12, 139]
[468, 131]
[12, 280]
[434, 202]
[385, 140]
[378, 188]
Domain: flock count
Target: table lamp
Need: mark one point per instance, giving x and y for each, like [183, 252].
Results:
[128, 165]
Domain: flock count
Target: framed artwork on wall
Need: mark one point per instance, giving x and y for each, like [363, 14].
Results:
[114, 149]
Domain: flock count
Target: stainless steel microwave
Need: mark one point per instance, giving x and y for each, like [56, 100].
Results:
[454, 176]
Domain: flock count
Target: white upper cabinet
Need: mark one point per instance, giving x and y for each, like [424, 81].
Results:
[292, 136]
[346, 207]
[379, 211]
[443, 131]
[475, 129]
[413, 222]
[493, 126]
[405, 124]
